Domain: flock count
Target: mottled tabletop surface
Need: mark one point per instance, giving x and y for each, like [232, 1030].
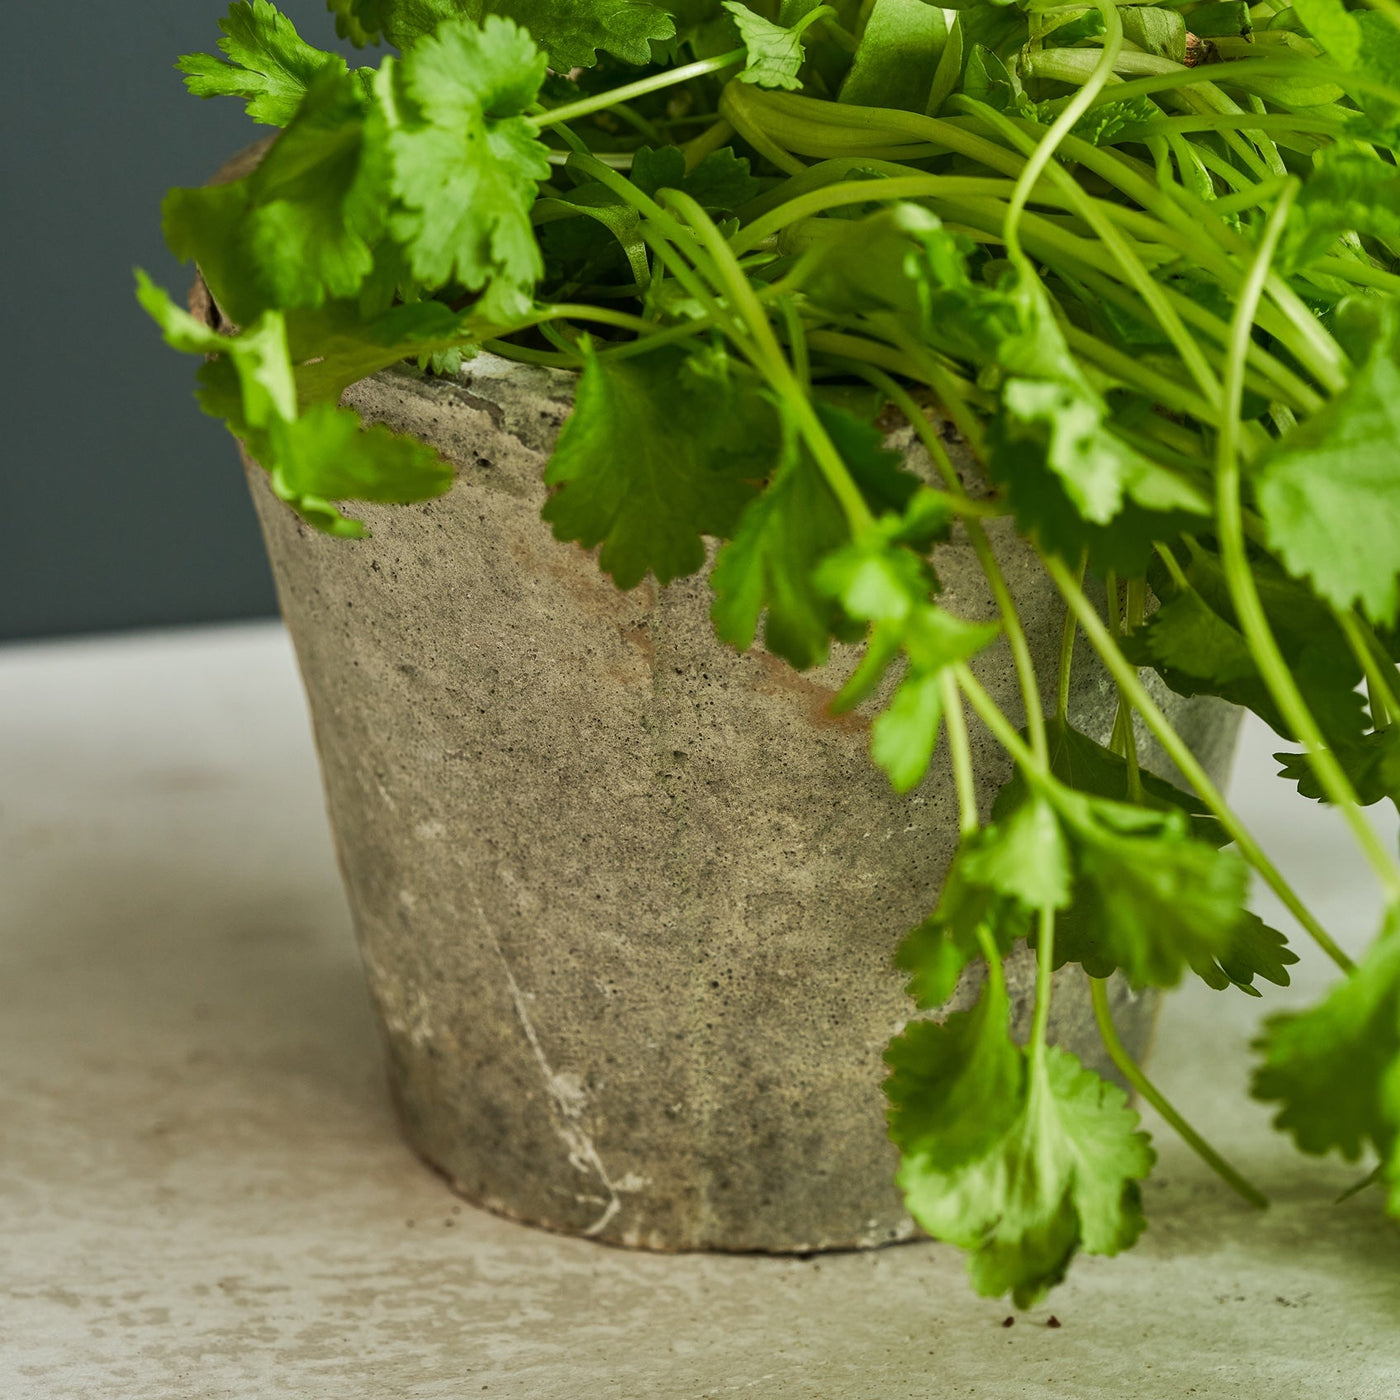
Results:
[203, 1192]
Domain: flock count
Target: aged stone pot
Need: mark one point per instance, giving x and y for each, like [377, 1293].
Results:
[627, 900]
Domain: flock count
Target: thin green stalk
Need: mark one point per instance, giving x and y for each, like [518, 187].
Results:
[797, 342]
[1044, 152]
[1230, 121]
[1044, 981]
[1169, 393]
[1138, 277]
[924, 430]
[1145, 1089]
[730, 278]
[991, 568]
[1282, 383]
[860, 350]
[1382, 664]
[600, 102]
[1122, 740]
[1244, 594]
[1036, 768]
[1067, 637]
[1360, 273]
[956, 404]
[1175, 748]
[718, 133]
[1241, 72]
[1380, 680]
[960, 752]
[738, 115]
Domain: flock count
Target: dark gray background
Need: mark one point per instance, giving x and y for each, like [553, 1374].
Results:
[122, 505]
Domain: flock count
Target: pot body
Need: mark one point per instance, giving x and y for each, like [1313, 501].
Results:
[627, 899]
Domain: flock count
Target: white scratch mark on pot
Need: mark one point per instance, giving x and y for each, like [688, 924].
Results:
[566, 1096]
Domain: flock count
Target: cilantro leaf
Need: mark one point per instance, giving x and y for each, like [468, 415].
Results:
[905, 733]
[1195, 645]
[1024, 857]
[1256, 950]
[1000, 873]
[1087, 766]
[783, 535]
[299, 227]
[935, 951]
[1067, 426]
[769, 563]
[336, 345]
[1347, 192]
[1333, 27]
[954, 1087]
[775, 53]
[1207, 930]
[1149, 898]
[315, 199]
[259, 353]
[570, 33]
[1371, 763]
[1066, 471]
[328, 453]
[466, 161]
[357, 20]
[1105, 124]
[987, 79]
[657, 453]
[720, 181]
[1329, 493]
[1327, 1067]
[1071, 479]
[270, 66]
[1019, 1158]
[877, 581]
[1145, 894]
[313, 459]
[1378, 58]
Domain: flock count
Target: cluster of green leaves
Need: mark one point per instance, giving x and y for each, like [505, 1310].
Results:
[1142, 260]
[1020, 1156]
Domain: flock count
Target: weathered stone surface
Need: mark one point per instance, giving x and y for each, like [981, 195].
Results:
[626, 899]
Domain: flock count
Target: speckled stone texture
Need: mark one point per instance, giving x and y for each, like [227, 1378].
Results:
[627, 900]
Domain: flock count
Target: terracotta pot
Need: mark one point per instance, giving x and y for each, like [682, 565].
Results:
[627, 900]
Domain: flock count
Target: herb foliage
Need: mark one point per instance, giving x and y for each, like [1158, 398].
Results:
[1143, 259]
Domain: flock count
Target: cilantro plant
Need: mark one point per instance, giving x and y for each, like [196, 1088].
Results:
[1142, 258]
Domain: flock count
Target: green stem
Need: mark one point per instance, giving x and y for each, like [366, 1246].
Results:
[1067, 636]
[600, 102]
[990, 565]
[1379, 668]
[1044, 980]
[738, 113]
[1122, 740]
[1239, 577]
[717, 134]
[1137, 276]
[960, 752]
[1001, 728]
[1122, 671]
[1045, 149]
[1130, 1071]
[730, 278]
[1240, 73]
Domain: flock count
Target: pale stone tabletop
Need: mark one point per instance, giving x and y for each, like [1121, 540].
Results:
[203, 1193]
